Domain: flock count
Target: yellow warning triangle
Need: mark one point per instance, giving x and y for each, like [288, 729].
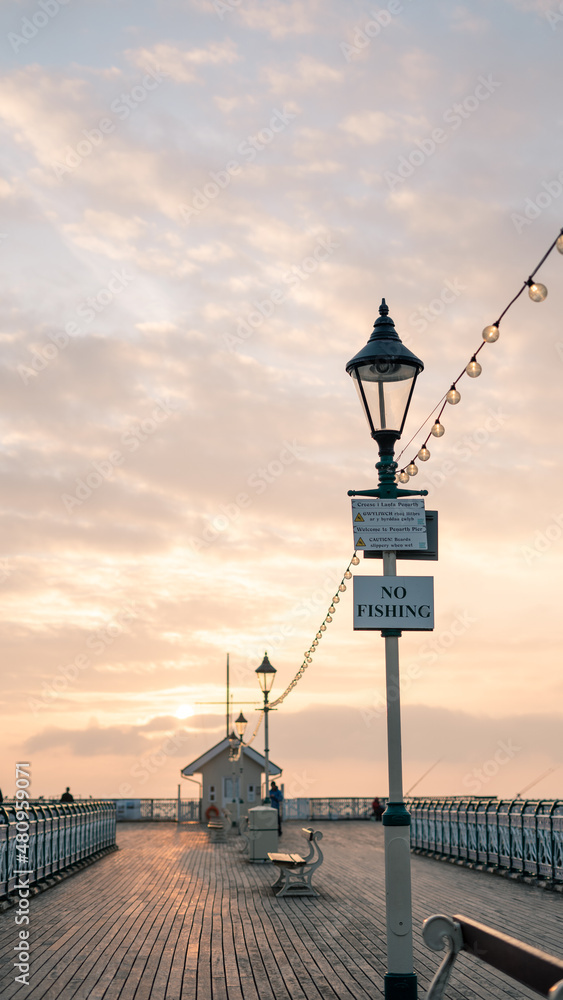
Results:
[358, 517]
[360, 542]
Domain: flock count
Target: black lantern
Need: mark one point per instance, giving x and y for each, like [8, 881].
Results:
[241, 724]
[385, 372]
[266, 674]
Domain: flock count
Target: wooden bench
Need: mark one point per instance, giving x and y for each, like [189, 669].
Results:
[529, 966]
[296, 872]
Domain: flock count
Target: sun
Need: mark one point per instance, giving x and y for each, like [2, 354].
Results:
[184, 711]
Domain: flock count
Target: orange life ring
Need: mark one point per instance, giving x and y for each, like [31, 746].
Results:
[212, 811]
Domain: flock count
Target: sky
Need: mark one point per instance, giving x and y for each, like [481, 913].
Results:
[203, 204]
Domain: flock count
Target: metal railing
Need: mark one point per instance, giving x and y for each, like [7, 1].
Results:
[517, 835]
[59, 835]
[141, 810]
[329, 808]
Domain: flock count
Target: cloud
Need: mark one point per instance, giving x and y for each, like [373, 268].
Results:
[180, 65]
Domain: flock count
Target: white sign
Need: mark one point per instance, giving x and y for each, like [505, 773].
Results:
[389, 525]
[404, 602]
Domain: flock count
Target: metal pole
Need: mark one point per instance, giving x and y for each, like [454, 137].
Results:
[400, 979]
[266, 748]
[228, 703]
[241, 783]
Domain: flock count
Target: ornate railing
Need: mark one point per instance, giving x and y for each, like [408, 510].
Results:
[329, 808]
[158, 809]
[52, 837]
[516, 835]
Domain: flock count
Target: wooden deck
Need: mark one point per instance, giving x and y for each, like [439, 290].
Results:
[171, 916]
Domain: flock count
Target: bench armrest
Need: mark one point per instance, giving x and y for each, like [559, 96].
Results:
[526, 965]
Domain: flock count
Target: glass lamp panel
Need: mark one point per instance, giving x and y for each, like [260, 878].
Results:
[384, 389]
[266, 678]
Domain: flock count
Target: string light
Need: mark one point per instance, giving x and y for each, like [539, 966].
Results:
[537, 293]
[424, 454]
[412, 469]
[491, 333]
[308, 656]
[474, 368]
[403, 476]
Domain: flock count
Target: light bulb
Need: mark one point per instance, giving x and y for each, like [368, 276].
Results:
[323, 627]
[537, 292]
[559, 243]
[335, 599]
[314, 643]
[412, 469]
[474, 368]
[355, 561]
[347, 575]
[438, 429]
[342, 588]
[423, 454]
[331, 610]
[403, 476]
[318, 636]
[328, 618]
[491, 333]
[453, 396]
[308, 659]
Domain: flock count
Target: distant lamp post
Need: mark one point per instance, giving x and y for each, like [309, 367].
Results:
[266, 674]
[385, 373]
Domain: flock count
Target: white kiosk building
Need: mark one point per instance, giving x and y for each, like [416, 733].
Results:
[218, 772]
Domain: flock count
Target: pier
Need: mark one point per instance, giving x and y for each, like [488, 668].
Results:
[171, 916]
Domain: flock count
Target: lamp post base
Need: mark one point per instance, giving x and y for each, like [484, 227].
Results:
[401, 986]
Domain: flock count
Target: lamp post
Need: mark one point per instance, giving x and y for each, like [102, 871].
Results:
[266, 674]
[240, 724]
[385, 372]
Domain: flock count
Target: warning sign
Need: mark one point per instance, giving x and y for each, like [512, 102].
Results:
[403, 602]
[389, 525]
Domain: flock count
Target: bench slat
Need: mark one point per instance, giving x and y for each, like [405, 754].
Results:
[529, 966]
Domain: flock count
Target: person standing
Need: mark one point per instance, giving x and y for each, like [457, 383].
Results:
[276, 799]
[378, 810]
[67, 796]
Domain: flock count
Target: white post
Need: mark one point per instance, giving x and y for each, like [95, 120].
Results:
[241, 783]
[266, 747]
[400, 980]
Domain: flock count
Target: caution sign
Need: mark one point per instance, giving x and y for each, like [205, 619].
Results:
[403, 602]
[388, 525]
